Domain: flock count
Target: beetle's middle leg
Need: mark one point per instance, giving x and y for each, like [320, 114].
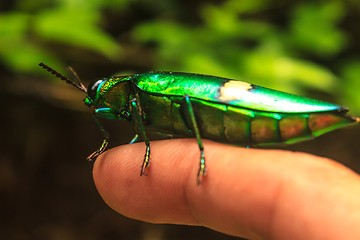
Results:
[135, 113]
[194, 127]
[134, 139]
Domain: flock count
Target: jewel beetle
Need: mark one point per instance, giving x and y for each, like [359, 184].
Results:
[202, 106]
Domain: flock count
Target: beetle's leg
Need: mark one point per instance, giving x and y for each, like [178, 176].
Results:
[191, 116]
[103, 131]
[163, 134]
[135, 112]
[134, 139]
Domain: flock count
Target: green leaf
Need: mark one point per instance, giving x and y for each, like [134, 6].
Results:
[314, 28]
[76, 27]
[13, 27]
[16, 52]
[25, 58]
[351, 85]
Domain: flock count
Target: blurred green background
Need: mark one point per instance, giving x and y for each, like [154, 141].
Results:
[310, 48]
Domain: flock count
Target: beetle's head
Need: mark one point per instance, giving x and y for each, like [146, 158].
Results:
[108, 93]
[112, 92]
[92, 92]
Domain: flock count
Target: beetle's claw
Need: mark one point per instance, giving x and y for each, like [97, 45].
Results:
[92, 156]
[201, 174]
[146, 162]
[143, 167]
[98, 152]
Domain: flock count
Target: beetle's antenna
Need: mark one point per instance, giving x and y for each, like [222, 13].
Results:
[78, 85]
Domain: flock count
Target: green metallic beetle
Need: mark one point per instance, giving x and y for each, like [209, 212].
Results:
[215, 108]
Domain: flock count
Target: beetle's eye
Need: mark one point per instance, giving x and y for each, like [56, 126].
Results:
[93, 87]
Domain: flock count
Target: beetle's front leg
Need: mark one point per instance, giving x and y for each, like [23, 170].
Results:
[104, 133]
[189, 113]
[135, 112]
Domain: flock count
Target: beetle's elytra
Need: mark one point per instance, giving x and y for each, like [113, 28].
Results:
[215, 108]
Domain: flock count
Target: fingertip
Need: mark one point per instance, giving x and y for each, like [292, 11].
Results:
[114, 175]
[157, 196]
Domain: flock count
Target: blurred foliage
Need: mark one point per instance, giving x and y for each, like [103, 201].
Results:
[232, 44]
[72, 22]
[315, 28]
[292, 47]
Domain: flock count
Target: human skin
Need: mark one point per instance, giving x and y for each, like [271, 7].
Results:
[250, 193]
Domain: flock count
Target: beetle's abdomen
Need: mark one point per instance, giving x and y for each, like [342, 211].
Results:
[247, 127]
[238, 126]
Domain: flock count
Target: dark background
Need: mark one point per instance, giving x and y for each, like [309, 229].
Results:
[47, 192]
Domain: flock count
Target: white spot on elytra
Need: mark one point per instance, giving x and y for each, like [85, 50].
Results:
[234, 90]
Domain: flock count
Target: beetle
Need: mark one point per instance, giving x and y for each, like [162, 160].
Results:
[203, 106]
